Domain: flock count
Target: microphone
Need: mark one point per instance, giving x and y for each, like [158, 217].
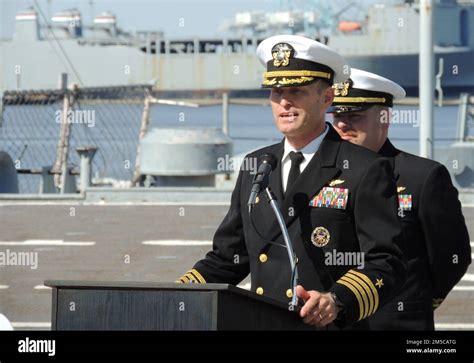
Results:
[268, 163]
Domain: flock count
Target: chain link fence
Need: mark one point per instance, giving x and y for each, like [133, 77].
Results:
[43, 128]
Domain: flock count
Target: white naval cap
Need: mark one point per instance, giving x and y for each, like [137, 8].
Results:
[293, 60]
[363, 90]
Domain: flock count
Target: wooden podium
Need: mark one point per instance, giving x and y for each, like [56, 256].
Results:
[87, 305]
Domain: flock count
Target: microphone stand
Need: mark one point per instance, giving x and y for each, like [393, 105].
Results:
[289, 246]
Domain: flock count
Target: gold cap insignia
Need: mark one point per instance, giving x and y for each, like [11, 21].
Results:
[336, 182]
[320, 237]
[400, 189]
[281, 54]
[342, 89]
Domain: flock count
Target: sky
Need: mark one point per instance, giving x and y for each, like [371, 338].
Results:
[199, 17]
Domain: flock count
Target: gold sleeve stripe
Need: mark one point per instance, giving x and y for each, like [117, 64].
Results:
[302, 73]
[359, 99]
[183, 279]
[187, 278]
[365, 293]
[361, 292]
[368, 302]
[368, 291]
[198, 277]
[357, 295]
[192, 276]
[371, 286]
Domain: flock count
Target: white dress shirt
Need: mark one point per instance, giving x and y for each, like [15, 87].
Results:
[308, 152]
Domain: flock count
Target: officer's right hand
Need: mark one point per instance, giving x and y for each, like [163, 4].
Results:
[319, 308]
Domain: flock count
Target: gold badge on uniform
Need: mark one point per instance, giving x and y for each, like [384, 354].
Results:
[320, 237]
[281, 54]
[336, 182]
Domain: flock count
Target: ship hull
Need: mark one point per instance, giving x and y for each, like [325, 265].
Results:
[458, 74]
[119, 65]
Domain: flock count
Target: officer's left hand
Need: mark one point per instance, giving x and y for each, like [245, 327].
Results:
[319, 308]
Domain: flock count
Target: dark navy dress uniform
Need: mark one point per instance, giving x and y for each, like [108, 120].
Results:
[437, 244]
[368, 223]
[437, 241]
[342, 206]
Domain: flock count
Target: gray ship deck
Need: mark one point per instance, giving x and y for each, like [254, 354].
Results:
[160, 240]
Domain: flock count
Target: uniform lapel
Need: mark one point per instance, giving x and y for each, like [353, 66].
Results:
[390, 152]
[317, 173]
[262, 213]
[275, 178]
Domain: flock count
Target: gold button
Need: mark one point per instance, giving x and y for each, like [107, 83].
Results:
[257, 199]
[289, 293]
[263, 258]
[259, 291]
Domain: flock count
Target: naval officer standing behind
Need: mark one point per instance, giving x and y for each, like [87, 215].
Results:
[437, 242]
[338, 199]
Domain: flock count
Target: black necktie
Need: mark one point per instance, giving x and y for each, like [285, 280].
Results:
[296, 159]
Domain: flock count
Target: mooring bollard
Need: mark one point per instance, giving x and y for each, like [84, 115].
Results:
[86, 153]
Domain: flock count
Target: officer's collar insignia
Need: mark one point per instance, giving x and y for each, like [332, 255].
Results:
[400, 189]
[336, 182]
[320, 237]
[342, 89]
[281, 54]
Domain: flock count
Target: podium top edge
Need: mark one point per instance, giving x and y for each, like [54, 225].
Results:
[128, 285]
[136, 284]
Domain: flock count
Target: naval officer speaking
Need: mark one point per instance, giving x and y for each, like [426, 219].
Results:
[337, 199]
[437, 241]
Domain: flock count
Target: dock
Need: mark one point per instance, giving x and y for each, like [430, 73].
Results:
[148, 242]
